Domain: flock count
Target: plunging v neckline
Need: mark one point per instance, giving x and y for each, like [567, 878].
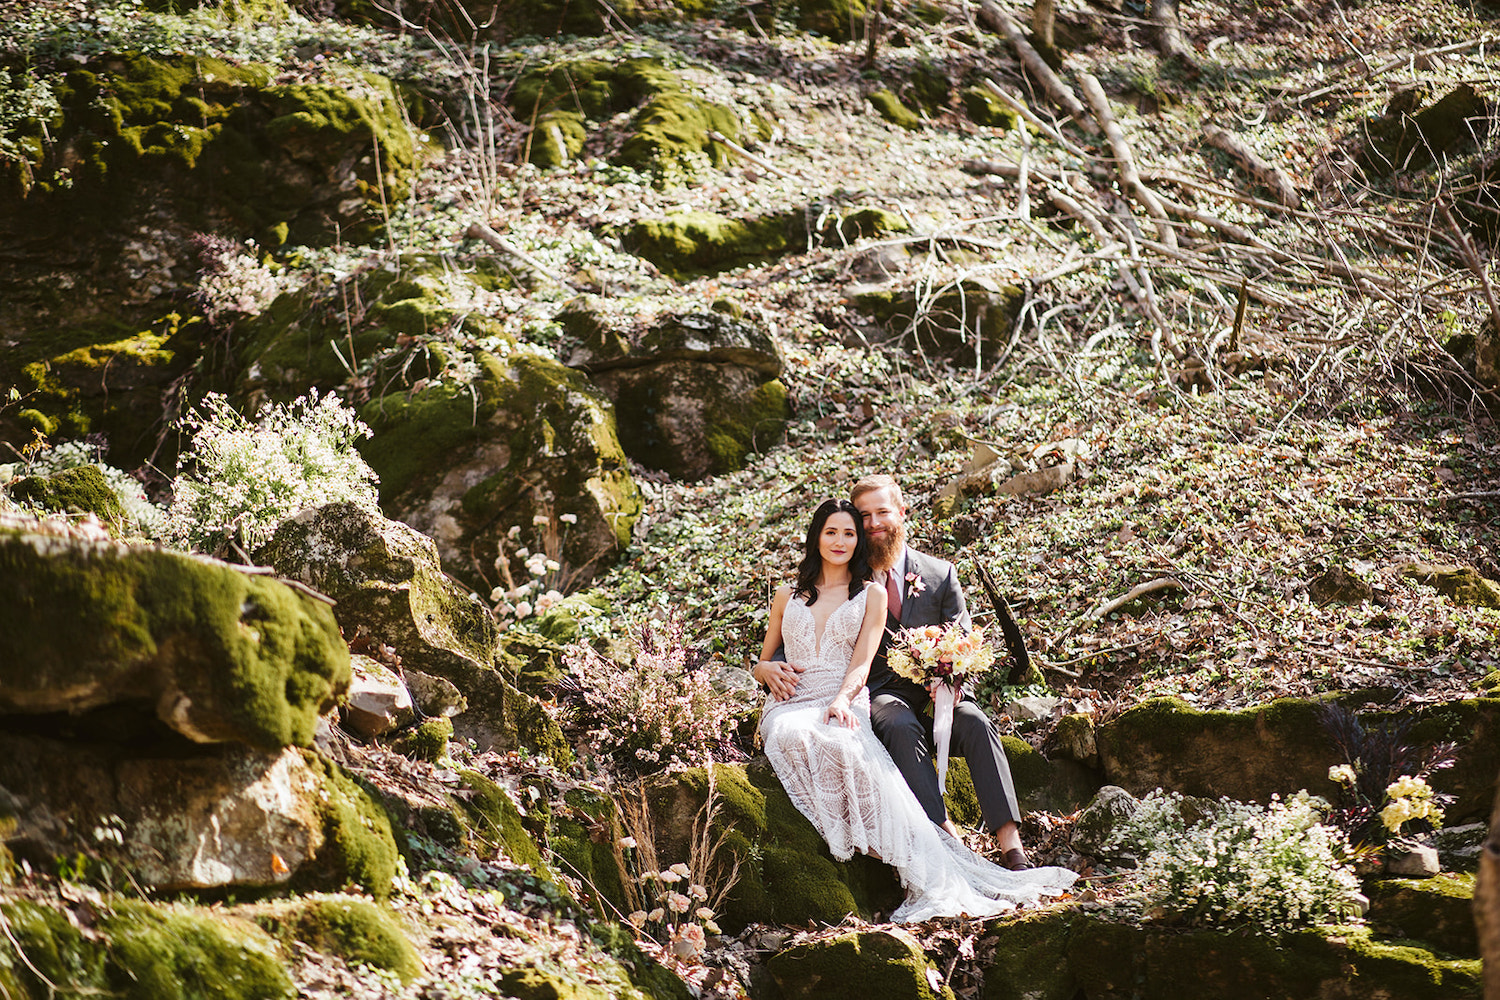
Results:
[818, 632]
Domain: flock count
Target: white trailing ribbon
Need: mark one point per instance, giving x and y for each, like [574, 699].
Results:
[943, 701]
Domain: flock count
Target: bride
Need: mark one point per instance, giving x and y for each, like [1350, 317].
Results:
[821, 745]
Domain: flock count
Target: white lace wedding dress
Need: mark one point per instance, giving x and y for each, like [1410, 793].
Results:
[845, 782]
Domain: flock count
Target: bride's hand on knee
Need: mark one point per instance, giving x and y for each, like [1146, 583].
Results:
[840, 714]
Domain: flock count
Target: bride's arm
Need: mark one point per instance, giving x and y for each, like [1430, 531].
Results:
[779, 676]
[865, 648]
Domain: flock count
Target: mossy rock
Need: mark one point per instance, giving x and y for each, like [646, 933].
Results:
[1436, 911]
[892, 110]
[1474, 725]
[360, 844]
[786, 873]
[1340, 963]
[1408, 136]
[690, 243]
[308, 338]
[140, 951]
[840, 20]
[1061, 786]
[670, 138]
[984, 108]
[428, 741]
[1247, 755]
[466, 463]
[108, 384]
[137, 129]
[970, 321]
[1030, 959]
[496, 820]
[584, 835]
[1463, 585]
[352, 928]
[695, 242]
[595, 89]
[556, 139]
[80, 490]
[224, 656]
[694, 394]
[884, 962]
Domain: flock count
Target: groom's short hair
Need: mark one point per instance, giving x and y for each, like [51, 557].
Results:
[879, 481]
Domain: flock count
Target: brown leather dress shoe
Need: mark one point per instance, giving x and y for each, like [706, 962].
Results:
[1015, 859]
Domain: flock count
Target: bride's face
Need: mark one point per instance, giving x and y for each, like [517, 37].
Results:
[838, 538]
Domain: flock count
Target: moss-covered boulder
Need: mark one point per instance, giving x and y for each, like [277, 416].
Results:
[882, 962]
[139, 951]
[693, 395]
[80, 490]
[351, 927]
[1282, 746]
[390, 587]
[1410, 136]
[389, 323]
[984, 108]
[1461, 584]
[1247, 755]
[489, 21]
[196, 819]
[138, 155]
[214, 653]
[786, 875]
[526, 440]
[691, 242]
[840, 20]
[892, 110]
[114, 382]
[971, 321]
[1112, 961]
[1437, 911]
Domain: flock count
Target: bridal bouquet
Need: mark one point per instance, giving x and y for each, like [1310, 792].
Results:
[943, 659]
[941, 654]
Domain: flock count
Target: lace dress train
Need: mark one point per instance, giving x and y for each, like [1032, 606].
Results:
[845, 782]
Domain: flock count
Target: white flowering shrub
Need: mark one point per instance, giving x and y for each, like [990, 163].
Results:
[661, 710]
[246, 478]
[1272, 868]
[234, 280]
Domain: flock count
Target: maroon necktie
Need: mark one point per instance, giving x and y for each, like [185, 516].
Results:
[894, 593]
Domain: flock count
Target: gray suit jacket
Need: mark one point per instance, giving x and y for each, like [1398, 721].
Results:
[940, 600]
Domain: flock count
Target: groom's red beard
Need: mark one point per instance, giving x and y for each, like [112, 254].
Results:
[885, 548]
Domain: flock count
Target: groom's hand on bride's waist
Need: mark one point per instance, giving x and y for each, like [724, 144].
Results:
[779, 676]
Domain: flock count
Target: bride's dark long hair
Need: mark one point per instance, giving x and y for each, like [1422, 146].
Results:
[812, 560]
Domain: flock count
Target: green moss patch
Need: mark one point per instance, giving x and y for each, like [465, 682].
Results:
[356, 930]
[226, 656]
[81, 490]
[360, 846]
[892, 110]
[1438, 911]
[140, 951]
[857, 966]
[983, 108]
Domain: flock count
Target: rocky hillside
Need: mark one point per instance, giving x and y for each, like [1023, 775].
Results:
[1179, 327]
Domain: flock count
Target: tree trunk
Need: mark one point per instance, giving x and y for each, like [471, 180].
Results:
[1487, 905]
[1169, 33]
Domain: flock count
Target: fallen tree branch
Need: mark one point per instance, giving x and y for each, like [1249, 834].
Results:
[1020, 108]
[1474, 263]
[1138, 591]
[759, 161]
[997, 19]
[479, 231]
[1129, 177]
[1269, 174]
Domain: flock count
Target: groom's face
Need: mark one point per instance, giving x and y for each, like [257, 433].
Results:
[885, 524]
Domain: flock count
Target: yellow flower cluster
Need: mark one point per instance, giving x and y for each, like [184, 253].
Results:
[1408, 799]
[946, 653]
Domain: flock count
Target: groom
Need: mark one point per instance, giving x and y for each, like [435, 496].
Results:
[921, 590]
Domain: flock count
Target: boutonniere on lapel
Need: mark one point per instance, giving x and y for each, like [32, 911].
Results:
[915, 584]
